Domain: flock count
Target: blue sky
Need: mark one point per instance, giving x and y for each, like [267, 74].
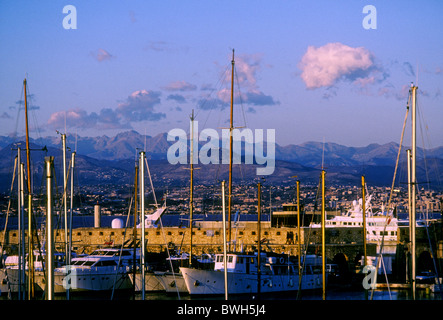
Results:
[308, 69]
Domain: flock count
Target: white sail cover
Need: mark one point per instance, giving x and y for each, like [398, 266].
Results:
[150, 219]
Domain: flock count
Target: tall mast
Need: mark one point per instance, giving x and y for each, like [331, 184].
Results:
[225, 264]
[22, 214]
[299, 238]
[231, 128]
[363, 183]
[142, 219]
[134, 232]
[50, 232]
[65, 199]
[30, 244]
[28, 156]
[191, 191]
[323, 233]
[258, 239]
[69, 253]
[413, 183]
[20, 221]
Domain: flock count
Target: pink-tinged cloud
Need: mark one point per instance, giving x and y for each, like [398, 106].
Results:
[324, 66]
[139, 106]
[180, 86]
[246, 88]
[101, 55]
[77, 118]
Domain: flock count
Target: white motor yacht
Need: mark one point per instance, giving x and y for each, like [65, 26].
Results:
[278, 273]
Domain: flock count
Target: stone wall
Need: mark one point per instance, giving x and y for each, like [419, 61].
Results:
[203, 239]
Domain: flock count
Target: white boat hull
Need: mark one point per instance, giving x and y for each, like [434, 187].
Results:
[87, 280]
[172, 282]
[209, 282]
[9, 280]
[152, 283]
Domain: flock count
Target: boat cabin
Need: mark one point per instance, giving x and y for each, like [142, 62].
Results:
[242, 263]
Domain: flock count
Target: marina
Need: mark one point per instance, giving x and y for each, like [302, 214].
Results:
[215, 257]
[133, 227]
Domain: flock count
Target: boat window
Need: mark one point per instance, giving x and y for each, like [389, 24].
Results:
[108, 263]
[230, 258]
[78, 263]
[88, 263]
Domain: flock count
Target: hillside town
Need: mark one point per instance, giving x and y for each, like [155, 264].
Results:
[114, 200]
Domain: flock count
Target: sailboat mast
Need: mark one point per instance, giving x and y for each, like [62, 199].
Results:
[22, 214]
[258, 239]
[231, 128]
[225, 270]
[50, 233]
[134, 231]
[191, 191]
[413, 183]
[28, 153]
[299, 238]
[30, 244]
[363, 193]
[65, 198]
[20, 221]
[323, 233]
[142, 220]
[69, 253]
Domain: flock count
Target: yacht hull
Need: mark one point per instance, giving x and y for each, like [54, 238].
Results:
[210, 282]
[84, 280]
[152, 283]
[172, 282]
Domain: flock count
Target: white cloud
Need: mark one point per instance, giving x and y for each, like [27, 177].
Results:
[326, 65]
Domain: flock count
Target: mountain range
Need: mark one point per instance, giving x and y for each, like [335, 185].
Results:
[111, 160]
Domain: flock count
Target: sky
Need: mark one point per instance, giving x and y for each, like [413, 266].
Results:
[311, 70]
